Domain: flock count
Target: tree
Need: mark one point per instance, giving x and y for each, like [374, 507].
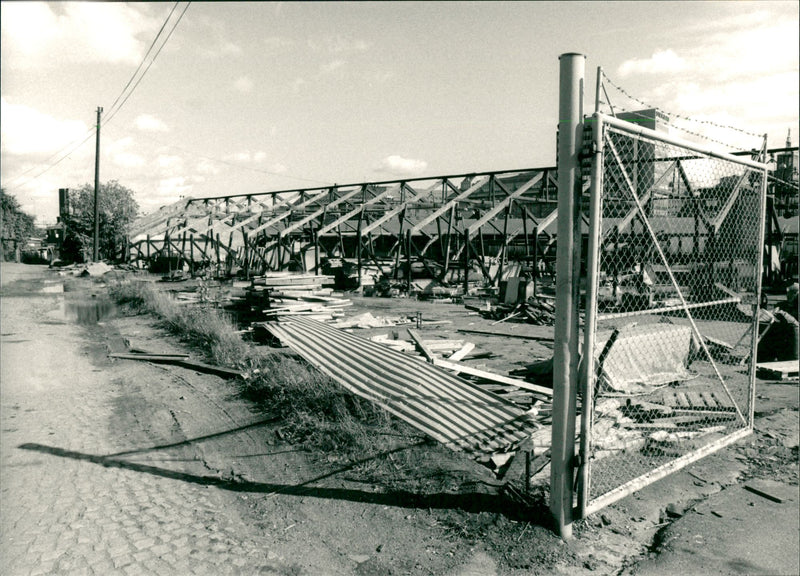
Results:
[15, 226]
[117, 211]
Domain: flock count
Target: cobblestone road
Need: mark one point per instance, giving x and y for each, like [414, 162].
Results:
[70, 508]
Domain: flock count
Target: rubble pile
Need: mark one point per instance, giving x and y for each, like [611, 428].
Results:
[534, 310]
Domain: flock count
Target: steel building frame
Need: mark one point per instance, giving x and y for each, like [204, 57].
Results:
[453, 228]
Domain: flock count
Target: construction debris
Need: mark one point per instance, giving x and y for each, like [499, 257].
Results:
[180, 360]
[534, 310]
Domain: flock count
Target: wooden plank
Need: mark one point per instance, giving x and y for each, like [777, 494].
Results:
[443, 345]
[459, 354]
[350, 215]
[399, 209]
[507, 335]
[723, 401]
[479, 183]
[763, 494]
[668, 398]
[148, 357]
[209, 369]
[180, 360]
[293, 205]
[695, 400]
[475, 226]
[421, 345]
[491, 376]
[691, 416]
[319, 212]
[708, 398]
[778, 370]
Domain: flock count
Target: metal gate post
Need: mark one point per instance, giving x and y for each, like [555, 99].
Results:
[590, 317]
[565, 360]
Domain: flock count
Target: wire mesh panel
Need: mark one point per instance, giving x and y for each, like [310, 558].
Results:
[675, 308]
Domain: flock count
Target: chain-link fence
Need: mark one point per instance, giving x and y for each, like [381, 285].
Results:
[674, 314]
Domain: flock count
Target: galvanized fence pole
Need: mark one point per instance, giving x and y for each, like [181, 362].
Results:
[565, 360]
[590, 318]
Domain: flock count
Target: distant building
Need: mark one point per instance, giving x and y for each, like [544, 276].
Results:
[641, 160]
[784, 189]
[651, 118]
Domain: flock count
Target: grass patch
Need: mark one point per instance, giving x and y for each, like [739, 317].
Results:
[209, 330]
[316, 411]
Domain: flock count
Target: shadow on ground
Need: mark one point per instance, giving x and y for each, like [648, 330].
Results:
[473, 502]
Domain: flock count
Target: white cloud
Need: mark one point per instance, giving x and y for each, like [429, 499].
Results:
[277, 168]
[662, 61]
[169, 162]
[149, 123]
[259, 157]
[298, 83]
[756, 50]
[128, 160]
[243, 157]
[380, 77]
[338, 44]
[400, 166]
[171, 189]
[43, 34]
[243, 84]
[121, 155]
[740, 71]
[331, 66]
[276, 43]
[216, 42]
[26, 131]
[207, 167]
[221, 48]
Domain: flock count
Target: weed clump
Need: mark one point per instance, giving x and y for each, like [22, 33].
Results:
[208, 329]
[315, 410]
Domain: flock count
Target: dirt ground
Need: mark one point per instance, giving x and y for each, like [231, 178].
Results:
[116, 466]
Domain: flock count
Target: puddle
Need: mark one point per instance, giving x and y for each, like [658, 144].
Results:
[89, 309]
[51, 287]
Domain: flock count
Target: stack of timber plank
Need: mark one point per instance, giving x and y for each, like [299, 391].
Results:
[280, 294]
[322, 308]
[273, 285]
[294, 284]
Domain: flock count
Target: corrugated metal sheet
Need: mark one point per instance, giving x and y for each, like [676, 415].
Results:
[454, 412]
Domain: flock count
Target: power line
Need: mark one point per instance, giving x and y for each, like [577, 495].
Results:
[113, 112]
[144, 58]
[56, 163]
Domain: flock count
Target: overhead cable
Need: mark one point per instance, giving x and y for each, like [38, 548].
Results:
[54, 164]
[113, 111]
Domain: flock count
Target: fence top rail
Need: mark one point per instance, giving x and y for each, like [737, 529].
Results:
[652, 134]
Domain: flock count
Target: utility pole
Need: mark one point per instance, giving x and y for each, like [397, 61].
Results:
[96, 250]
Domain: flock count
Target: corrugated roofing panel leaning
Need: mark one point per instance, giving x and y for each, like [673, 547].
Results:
[460, 415]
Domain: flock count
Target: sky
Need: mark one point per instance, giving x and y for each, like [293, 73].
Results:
[250, 97]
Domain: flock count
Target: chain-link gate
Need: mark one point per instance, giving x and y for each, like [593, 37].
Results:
[672, 308]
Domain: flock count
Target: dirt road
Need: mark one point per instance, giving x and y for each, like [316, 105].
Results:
[76, 496]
